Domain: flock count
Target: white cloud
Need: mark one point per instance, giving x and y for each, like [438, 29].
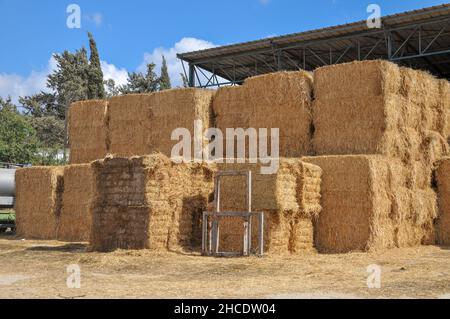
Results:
[96, 18]
[110, 71]
[15, 85]
[264, 2]
[173, 63]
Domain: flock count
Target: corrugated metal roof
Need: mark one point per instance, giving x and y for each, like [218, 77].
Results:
[396, 20]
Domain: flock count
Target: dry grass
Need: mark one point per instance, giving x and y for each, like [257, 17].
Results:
[35, 269]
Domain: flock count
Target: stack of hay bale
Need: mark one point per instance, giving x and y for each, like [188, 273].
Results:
[388, 124]
[147, 203]
[355, 168]
[290, 200]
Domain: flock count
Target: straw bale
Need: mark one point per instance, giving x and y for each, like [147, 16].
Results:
[356, 79]
[178, 108]
[75, 220]
[376, 107]
[38, 201]
[88, 131]
[445, 105]
[443, 184]
[278, 100]
[143, 124]
[367, 204]
[294, 187]
[130, 124]
[148, 203]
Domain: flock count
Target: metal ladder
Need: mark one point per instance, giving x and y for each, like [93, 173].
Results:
[211, 233]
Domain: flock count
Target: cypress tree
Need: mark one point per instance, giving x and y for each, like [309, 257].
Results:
[96, 90]
[164, 80]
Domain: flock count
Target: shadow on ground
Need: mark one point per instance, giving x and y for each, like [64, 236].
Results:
[75, 248]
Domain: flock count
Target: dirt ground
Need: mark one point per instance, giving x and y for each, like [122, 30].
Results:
[38, 269]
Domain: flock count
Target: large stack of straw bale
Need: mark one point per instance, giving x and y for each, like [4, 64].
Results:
[88, 131]
[38, 201]
[143, 124]
[290, 200]
[376, 130]
[443, 184]
[147, 203]
[278, 100]
[376, 107]
[367, 205]
[75, 220]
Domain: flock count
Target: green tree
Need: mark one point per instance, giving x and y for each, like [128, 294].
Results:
[42, 104]
[50, 131]
[70, 80]
[164, 80]
[96, 89]
[111, 88]
[18, 141]
[7, 104]
[141, 83]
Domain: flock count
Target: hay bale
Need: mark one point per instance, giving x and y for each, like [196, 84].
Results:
[443, 184]
[445, 101]
[368, 205]
[88, 131]
[376, 107]
[178, 108]
[38, 201]
[75, 219]
[130, 124]
[143, 124]
[290, 200]
[147, 203]
[295, 187]
[278, 100]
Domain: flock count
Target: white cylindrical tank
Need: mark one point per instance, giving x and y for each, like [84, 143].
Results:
[7, 182]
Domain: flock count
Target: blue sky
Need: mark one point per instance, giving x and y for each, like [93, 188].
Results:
[130, 33]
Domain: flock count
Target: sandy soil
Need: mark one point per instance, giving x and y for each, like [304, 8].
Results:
[38, 269]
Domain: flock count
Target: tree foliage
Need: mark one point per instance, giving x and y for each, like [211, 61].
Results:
[141, 83]
[18, 140]
[96, 90]
[164, 79]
